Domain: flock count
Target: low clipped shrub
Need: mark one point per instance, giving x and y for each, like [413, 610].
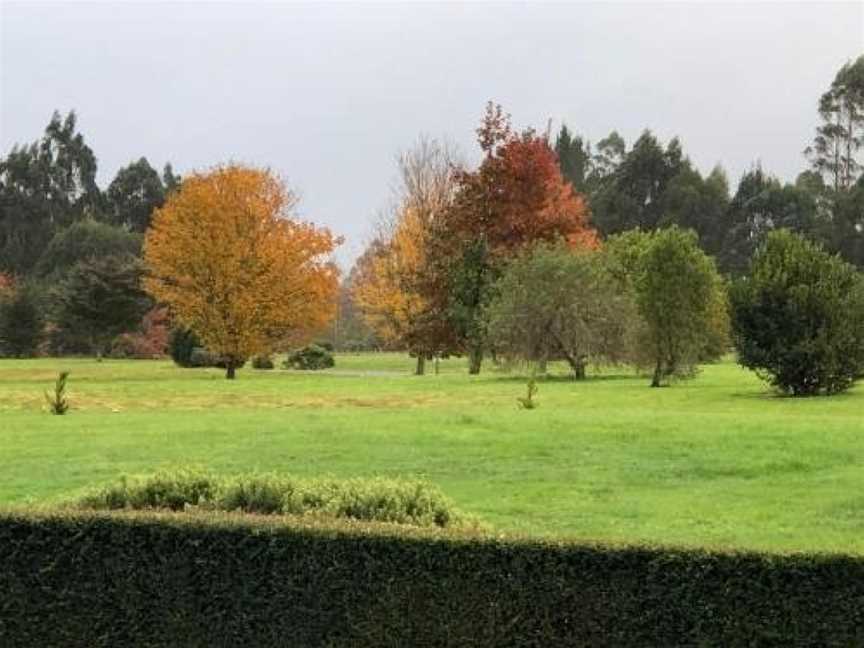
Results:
[312, 357]
[167, 489]
[262, 362]
[398, 501]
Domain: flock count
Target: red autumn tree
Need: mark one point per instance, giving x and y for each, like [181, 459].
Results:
[515, 199]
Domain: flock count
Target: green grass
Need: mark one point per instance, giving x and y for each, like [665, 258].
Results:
[717, 461]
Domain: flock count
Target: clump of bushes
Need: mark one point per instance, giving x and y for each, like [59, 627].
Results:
[377, 499]
[181, 344]
[312, 357]
[150, 341]
[262, 362]
[201, 357]
[187, 350]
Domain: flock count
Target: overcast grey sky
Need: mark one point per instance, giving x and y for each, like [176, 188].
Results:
[327, 94]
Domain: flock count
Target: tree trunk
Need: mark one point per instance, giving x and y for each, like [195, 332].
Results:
[421, 366]
[436, 365]
[656, 381]
[230, 370]
[475, 359]
[579, 369]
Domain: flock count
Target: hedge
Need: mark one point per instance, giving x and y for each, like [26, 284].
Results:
[216, 579]
[372, 499]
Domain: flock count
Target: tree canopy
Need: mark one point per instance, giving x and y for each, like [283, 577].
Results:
[234, 265]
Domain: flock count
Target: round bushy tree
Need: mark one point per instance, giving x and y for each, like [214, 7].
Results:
[554, 302]
[798, 318]
[681, 298]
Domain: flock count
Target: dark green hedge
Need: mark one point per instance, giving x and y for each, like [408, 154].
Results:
[148, 579]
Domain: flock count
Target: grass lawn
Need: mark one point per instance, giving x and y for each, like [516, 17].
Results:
[715, 461]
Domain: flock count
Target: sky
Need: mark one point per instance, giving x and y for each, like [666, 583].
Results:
[328, 94]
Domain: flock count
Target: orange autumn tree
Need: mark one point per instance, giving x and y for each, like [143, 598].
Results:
[385, 290]
[233, 264]
[389, 275]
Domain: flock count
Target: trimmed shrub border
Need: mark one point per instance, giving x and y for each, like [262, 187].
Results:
[72, 578]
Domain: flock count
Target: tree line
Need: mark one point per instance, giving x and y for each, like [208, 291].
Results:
[604, 254]
[545, 250]
[70, 252]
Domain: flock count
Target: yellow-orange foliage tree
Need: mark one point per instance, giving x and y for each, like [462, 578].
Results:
[389, 275]
[385, 290]
[227, 256]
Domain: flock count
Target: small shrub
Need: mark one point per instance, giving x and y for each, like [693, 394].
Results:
[201, 357]
[181, 345]
[262, 362]
[58, 404]
[527, 402]
[151, 341]
[167, 489]
[376, 500]
[312, 357]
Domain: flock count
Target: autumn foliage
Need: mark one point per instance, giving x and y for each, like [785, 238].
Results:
[425, 286]
[518, 196]
[226, 255]
[515, 199]
[391, 274]
[7, 285]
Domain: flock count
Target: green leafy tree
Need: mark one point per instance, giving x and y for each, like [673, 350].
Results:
[132, 196]
[697, 203]
[557, 303]
[633, 194]
[761, 205]
[798, 317]
[847, 224]
[99, 299]
[834, 152]
[574, 158]
[83, 240]
[678, 292]
[472, 282]
[43, 187]
[21, 323]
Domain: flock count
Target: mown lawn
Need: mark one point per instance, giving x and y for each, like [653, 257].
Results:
[716, 461]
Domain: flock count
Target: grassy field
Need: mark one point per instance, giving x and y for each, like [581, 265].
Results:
[716, 461]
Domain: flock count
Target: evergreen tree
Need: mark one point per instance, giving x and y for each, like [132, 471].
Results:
[83, 240]
[134, 193]
[43, 187]
[798, 317]
[97, 300]
[834, 152]
[21, 324]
